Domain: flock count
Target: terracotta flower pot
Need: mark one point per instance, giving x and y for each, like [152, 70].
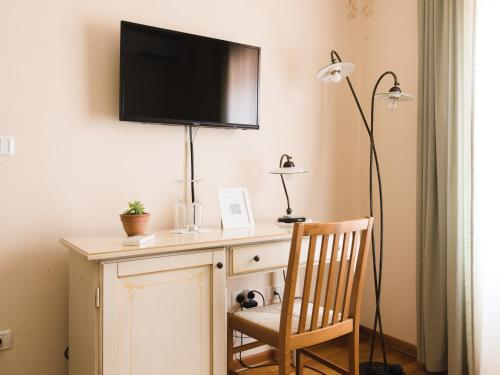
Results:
[135, 224]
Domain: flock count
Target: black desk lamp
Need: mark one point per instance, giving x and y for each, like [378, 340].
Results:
[335, 72]
[288, 169]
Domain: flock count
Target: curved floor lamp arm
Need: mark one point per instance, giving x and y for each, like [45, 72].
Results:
[360, 109]
[379, 179]
[373, 157]
[365, 123]
[378, 283]
[377, 273]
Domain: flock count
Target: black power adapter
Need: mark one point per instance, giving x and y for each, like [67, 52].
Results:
[249, 303]
[240, 298]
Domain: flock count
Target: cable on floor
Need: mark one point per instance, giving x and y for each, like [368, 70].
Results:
[256, 366]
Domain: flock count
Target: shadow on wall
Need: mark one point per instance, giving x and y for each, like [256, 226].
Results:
[103, 69]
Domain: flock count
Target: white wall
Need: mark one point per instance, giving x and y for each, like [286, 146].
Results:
[76, 165]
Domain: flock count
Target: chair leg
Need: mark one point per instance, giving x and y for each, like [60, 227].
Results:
[354, 350]
[230, 367]
[299, 362]
[284, 361]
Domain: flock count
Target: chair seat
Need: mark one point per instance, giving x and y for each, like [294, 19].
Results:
[269, 316]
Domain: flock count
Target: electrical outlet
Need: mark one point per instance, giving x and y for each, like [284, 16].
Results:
[7, 145]
[6, 339]
[272, 296]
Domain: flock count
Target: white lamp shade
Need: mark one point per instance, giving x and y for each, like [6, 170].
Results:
[335, 72]
[289, 170]
[401, 96]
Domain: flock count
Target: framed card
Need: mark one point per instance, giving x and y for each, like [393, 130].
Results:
[235, 209]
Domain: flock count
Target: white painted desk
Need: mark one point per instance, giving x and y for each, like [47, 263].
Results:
[160, 308]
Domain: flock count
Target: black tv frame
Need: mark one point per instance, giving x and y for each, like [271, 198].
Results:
[168, 121]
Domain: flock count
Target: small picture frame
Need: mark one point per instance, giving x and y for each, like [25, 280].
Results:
[235, 209]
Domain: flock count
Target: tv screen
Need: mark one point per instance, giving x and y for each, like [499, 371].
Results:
[171, 77]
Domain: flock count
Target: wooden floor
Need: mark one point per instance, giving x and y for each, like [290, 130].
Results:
[338, 353]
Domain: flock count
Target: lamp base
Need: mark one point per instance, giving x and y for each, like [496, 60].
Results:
[378, 368]
[291, 219]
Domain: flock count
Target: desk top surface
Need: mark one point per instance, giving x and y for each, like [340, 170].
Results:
[111, 247]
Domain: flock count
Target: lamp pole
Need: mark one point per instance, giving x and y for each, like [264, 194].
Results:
[288, 164]
[373, 367]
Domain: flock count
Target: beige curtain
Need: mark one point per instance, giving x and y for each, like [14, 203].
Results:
[444, 222]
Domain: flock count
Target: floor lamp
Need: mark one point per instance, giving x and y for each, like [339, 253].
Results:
[335, 72]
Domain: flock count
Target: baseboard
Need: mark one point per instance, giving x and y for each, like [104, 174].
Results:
[392, 342]
[255, 359]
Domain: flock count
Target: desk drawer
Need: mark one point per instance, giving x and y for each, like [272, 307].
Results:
[250, 258]
[266, 256]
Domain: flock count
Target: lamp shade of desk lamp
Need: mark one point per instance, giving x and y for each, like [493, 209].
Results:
[286, 171]
[336, 72]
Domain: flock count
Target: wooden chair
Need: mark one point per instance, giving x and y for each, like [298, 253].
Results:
[297, 323]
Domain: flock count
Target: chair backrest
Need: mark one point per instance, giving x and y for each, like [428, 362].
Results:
[337, 254]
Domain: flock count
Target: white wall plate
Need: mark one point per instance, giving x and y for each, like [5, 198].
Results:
[6, 339]
[7, 145]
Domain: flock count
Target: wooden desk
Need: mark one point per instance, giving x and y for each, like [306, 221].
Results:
[160, 308]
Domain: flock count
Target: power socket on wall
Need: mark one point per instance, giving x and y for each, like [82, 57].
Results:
[244, 297]
[6, 339]
[7, 145]
[273, 292]
[272, 295]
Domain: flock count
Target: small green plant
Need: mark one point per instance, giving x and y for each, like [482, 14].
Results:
[135, 208]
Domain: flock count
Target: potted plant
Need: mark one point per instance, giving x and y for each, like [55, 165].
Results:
[135, 220]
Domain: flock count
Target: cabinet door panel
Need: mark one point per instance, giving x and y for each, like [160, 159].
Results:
[160, 323]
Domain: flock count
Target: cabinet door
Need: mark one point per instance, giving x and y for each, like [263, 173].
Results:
[165, 315]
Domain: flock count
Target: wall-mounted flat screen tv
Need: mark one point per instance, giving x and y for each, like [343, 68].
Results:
[170, 77]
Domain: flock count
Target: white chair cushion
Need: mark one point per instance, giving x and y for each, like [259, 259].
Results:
[269, 316]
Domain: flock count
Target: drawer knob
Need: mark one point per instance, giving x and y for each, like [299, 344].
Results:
[220, 265]
[256, 258]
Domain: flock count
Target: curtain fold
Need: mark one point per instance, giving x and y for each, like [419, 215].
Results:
[444, 191]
